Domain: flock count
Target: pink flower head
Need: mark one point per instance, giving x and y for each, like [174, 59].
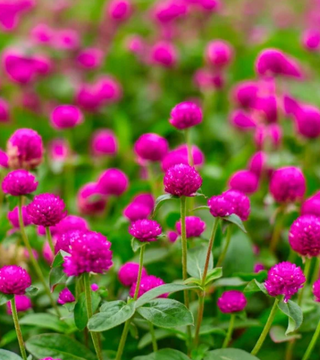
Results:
[311, 40]
[94, 287]
[108, 89]
[119, 10]
[245, 94]
[90, 58]
[65, 239]
[13, 217]
[14, 280]
[311, 206]
[10, 12]
[113, 182]
[42, 64]
[180, 156]
[65, 296]
[151, 147]
[135, 44]
[172, 236]
[268, 108]
[19, 182]
[308, 121]
[23, 303]
[288, 184]
[258, 267]
[88, 253]
[66, 117]
[147, 283]
[182, 180]
[167, 11]
[145, 230]
[58, 150]
[104, 143]
[164, 54]
[271, 134]
[3, 159]
[197, 154]
[137, 211]
[316, 290]
[219, 53]
[206, 79]
[285, 279]
[273, 62]
[72, 222]
[220, 206]
[46, 210]
[242, 120]
[205, 5]
[240, 202]
[47, 253]
[89, 199]
[194, 226]
[66, 39]
[128, 273]
[146, 199]
[304, 235]
[185, 115]
[232, 301]
[24, 149]
[42, 33]
[291, 105]
[4, 111]
[257, 163]
[244, 181]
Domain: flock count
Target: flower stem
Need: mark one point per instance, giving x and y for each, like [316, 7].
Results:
[306, 271]
[136, 293]
[154, 340]
[33, 260]
[315, 275]
[266, 328]
[123, 340]
[230, 330]
[188, 140]
[224, 252]
[94, 336]
[49, 238]
[312, 343]
[18, 329]
[200, 316]
[277, 230]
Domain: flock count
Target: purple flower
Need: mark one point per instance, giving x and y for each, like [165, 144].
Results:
[308, 121]
[207, 80]
[14, 280]
[185, 115]
[4, 159]
[66, 117]
[194, 226]
[63, 240]
[258, 267]
[220, 206]
[172, 236]
[4, 111]
[148, 282]
[240, 202]
[13, 217]
[180, 156]
[128, 273]
[19, 182]
[219, 53]
[89, 199]
[182, 180]
[316, 290]
[311, 40]
[137, 211]
[285, 279]
[119, 10]
[245, 94]
[242, 120]
[94, 287]
[90, 58]
[65, 296]
[113, 182]
[145, 230]
[72, 222]
[164, 54]
[257, 163]
[146, 199]
[58, 150]
[232, 301]
[46, 210]
[23, 303]
[311, 206]
[244, 181]
[151, 147]
[104, 143]
[167, 11]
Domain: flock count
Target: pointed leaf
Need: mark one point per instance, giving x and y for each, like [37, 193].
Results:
[164, 354]
[229, 354]
[4, 298]
[44, 321]
[136, 244]
[80, 309]
[160, 200]
[57, 276]
[277, 334]
[234, 219]
[204, 207]
[255, 286]
[294, 313]
[213, 274]
[8, 355]
[196, 261]
[32, 291]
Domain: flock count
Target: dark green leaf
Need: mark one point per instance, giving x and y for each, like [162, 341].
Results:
[204, 207]
[45, 321]
[196, 261]
[234, 219]
[80, 309]
[8, 355]
[233, 281]
[229, 354]
[164, 354]
[294, 313]
[136, 244]
[255, 286]
[159, 335]
[160, 200]
[4, 298]
[278, 335]
[32, 291]
[58, 259]
[56, 277]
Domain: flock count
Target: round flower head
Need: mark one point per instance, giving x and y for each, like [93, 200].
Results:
[128, 273]
[66, 117]
[311, 206]
[72, 222]
[23, 303]
[206, 79]
[41, 33]
[89, 252]
[185, 115]
[13, 217]
[145, 199]
[164, 54]
[167, 11]
[245, 94]
[244, 181]
[172, 236]
[145, 230]
[258, 267]
[147, 283]
[66, 39]
[90, 58]
[3, 159]
[119, 10]
[304, 235]
[58, 150]
[232, 301]
[113, 182]
[94, 287]
[46, 210]
[242, 120]
[285, 279]
[151, 147]
[311, 40]
[288, 184]
[63, 240]
[308, 121]
[89, 200]
[14, 280]
[104, 143]
[257, 163]
[194, 226]
[65, 296]
[19, 182]
[219, 53]
[220, 206]
[240, 202]
[24, 149]
[4, 111]
[137, 211]
[182, 180]
[316, 290]
[180, 156]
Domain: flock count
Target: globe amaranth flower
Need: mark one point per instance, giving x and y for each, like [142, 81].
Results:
[304, 235]
[180, 156]
[65, 296]
[59, 150]
[307, 119]
[104, 143]
[257, 163]
[232, 301]
[119, 10]
[311, 39]
[185, 115]
[128, 273]
[19, 182]
[219, 53]
[242, 120]
[137, 211]
[311, 206]
[245, 181]
[172, 236]
[147, 283]
[287, 184]
[219, 206]
[94, 287]
[66, 117]
[164, 54]
[151, 147]
[316, 290]
[13, 217]
[194, 226]
[90, 58]
[167, 11]
[285, 279]
[3, 159]
[245, 94]
[64, 240]
[89, 199]
[182, 180]
[4, 111]
[113, 182]
[46, 210]
[14, 280]
[145, 230]
[240, 202]
[258, 267]
[24, 149]
[50, 358]
[72, 222]
[23, 303]
[89, 252]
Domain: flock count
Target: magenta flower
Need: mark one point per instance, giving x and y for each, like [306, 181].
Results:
[14, 280]
[42, 33]
[194, 226]
[232, 301]
[65, 39]
[311, 40]
[58, 150]
[119, 10]
[220, 206]
[70, 223]
[112, 182]
[185, 115]
[24, 149]
[285, 279]
[245, 94]
[66, 117]
[316, 290]
[219, 53]
[137, 211]
[65, 296]
[257, 163]
[240, 202]
[308, 121]
[242, 120]
[49, 358]
[19, 182]
[172, 236]
[89, 199]
[148, 282]
[104, 143]
[271, 134]
[46, 210]
[311, 206]
[4, 111]
[258, 267]
[128, 273]
[23, 303]
[90, 58]
[94, 287]
[4, 159]
[145, 230]
[167, 11]
[244, 181]
[205, 80]
[64, 240]
[182, 180]
[180, 156]
[151, 147]
[146, 199]
[164, 54]
[13, 217]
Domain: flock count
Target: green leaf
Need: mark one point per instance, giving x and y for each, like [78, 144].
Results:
[56, 277]
[4, 298]
[32, 291]
[167, 313]
[45, 321]
[213, 274]
[136, 244]
[234, 219]
[159, 334]
[160, 200]
[294, 313]
[80, 309]
[233, 281]
[58, 259]
[204, 207]
[196, 261]
[255, 286]
[277, 334]
[260, 276]
[8, 355]
[58, 346]
[152, 255]
[111, 314]
[229, 354]
[164, 354]
[193, 280]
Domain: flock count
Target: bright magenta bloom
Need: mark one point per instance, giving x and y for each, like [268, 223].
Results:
[4, 111]
[72, 222]
[128, 273]
[104, 143]
[90, 58]
[220, 206]
[311, 40]
[89, 199]
[232, 301]
[148, 282]
[19, 182]
[244, 181]
[119, 10]
[13, 217]
[145, 230]
[185, 115]
[219, 53]
[14, 280]
[257, 163]
[66, 117]
[65, 296]
[63, 240]
[180, 156]
[137, 211]
[311, 206]
[308, 121]
[164, 54]
[240, 202]
[151, 147]
[194, 226]
[245, 94]
[316, 290]
[3, 159]
[23, 303]
[113, 182]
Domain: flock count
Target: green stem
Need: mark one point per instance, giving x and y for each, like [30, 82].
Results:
[315, 275]
[277, 230]
[49, 238]
[123, 340]
[199, 318]
[154, 340]
[33, 259]
[136, 293]
[225, 249]
[266, 328]
[312, 343]
[18, 329]
[306, 271]
[230, 330]
[188, 140]
[94, 336]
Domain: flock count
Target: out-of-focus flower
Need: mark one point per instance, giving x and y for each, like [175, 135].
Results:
[65, 296]
[242, 120]
[172, 236]
[167, 11]
[58, 150]
[42, 33]
[205, 79]
[112, 182]
[90, 58]
[104, 143]
[147, 283]
[180, 156]
[65, 39]
[66, 116]
[3, 159]
[311, 40]
[4, 111]
[311, 206]
[137, 211]
[11, 11]
[13, 217]
[308, 121]
[72, 222]
[316, 290]
[219, 53]
[128, 273]
[240, 202]
[119, 10]
[185, 115]
[232, 301]
[164, 54]
[245, 94]
[19, 182]
[89, 199]
[151, 147]
[244, 181]
[257, 163]
[23, 303]
[194, 226]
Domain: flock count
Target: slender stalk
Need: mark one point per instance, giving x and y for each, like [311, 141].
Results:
[199, 318]
[187, 134]
[154, 340]
[49, 238]
[312, 343]
[18, 329]
[315, 275]
[225, 249]
[136, 293]
[306, 271]
[94, 336]
[33, 260]
[123, 340]
[230, 331]
[266, 328]
[277, 230]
